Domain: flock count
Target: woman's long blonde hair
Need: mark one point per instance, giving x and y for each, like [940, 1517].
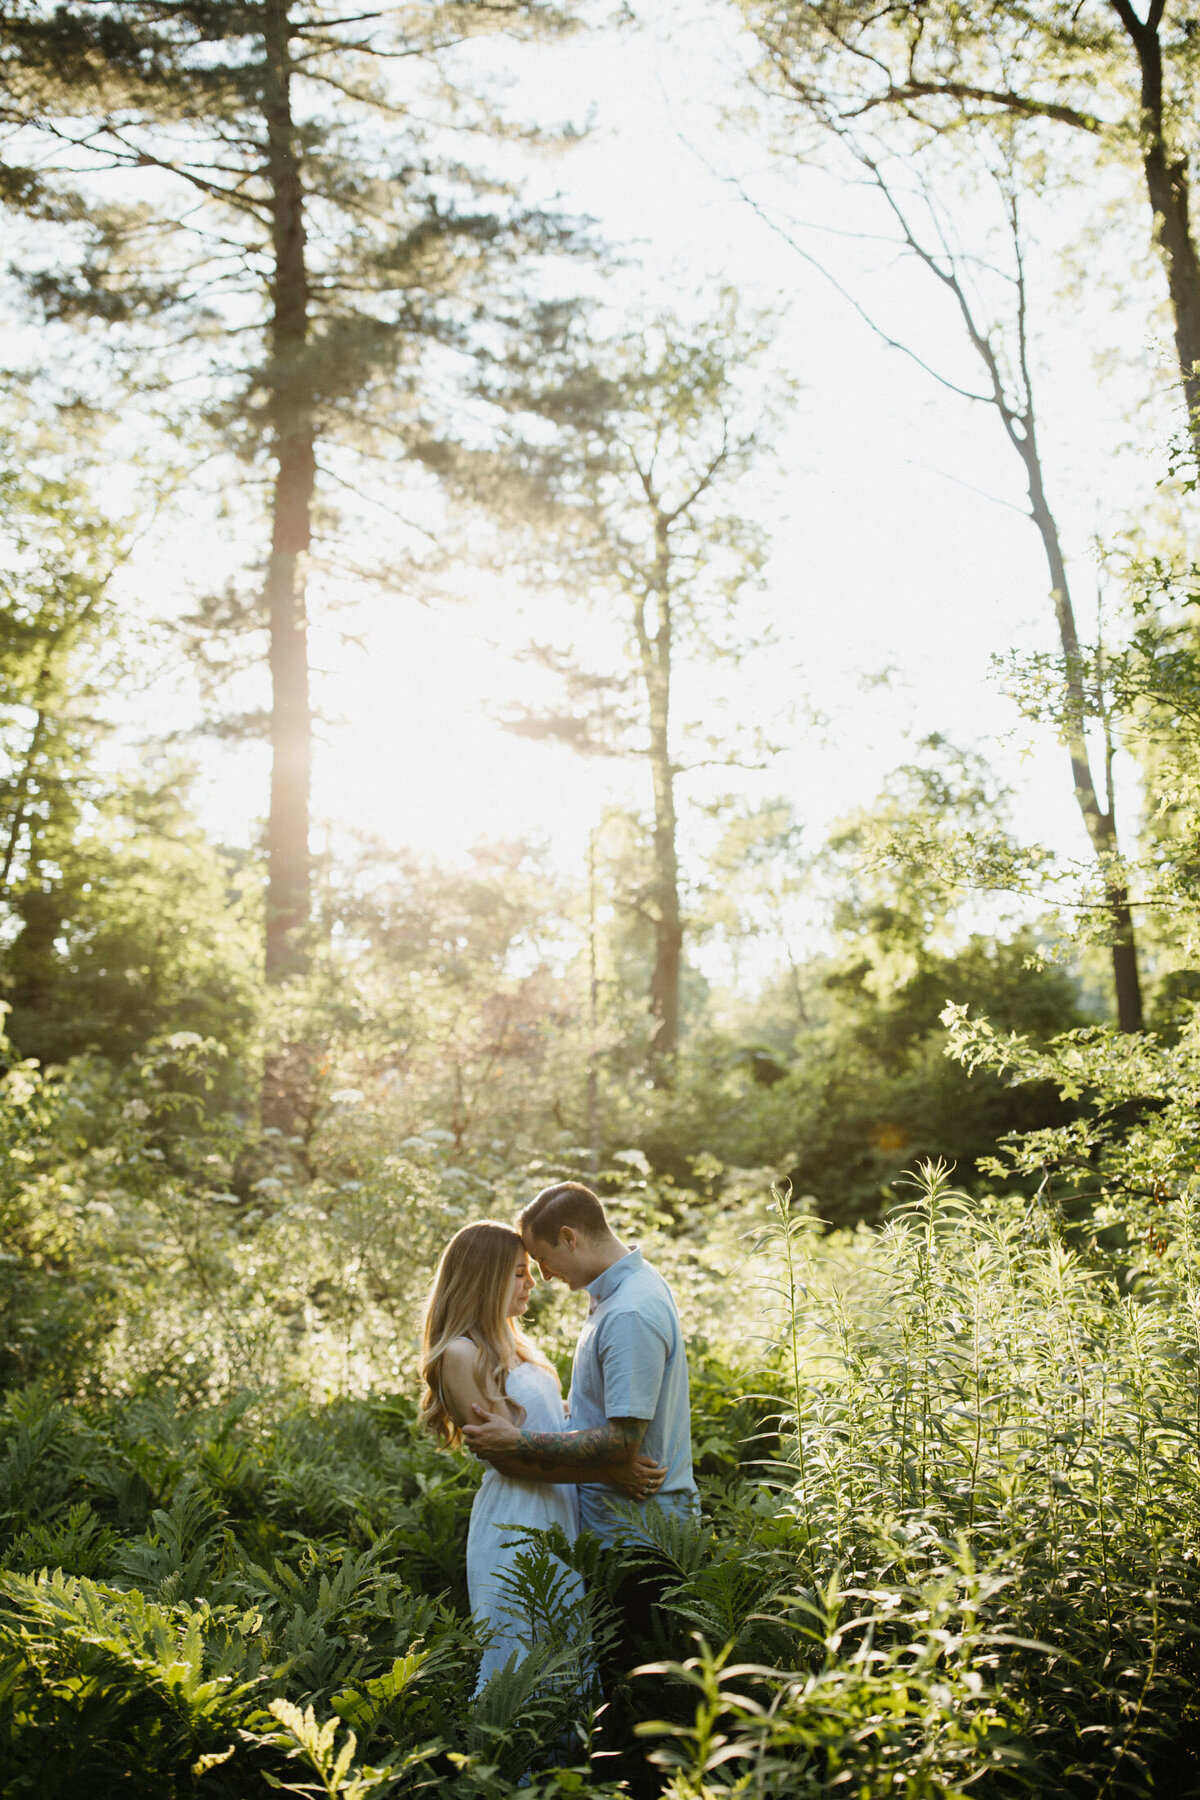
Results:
[469, 1298]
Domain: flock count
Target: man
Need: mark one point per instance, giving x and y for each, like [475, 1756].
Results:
[629, 1380]
[629, 1387]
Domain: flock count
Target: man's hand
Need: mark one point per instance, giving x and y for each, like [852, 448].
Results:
[640, 1481]
[494, 1438]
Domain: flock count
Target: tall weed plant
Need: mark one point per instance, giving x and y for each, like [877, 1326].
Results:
[989, 1465]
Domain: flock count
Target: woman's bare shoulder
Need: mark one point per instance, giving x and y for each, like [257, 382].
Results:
[459, 1377]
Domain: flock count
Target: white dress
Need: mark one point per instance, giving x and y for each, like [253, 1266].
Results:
[502, 1502]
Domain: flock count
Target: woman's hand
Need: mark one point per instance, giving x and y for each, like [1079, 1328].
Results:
[640, 1480]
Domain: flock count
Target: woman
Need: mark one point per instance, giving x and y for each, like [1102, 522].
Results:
[473, 1353]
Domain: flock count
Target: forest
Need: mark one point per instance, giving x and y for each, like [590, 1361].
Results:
[601, 591]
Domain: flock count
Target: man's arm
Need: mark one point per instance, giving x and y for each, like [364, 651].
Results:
[580, 1455]
[605, 1453]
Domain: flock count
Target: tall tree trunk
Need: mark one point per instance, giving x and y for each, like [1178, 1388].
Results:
[1124, 959]
[655, 654]
[289, 878]
[286, 1101]
[594, 1133]
[1100, 820]
[1020, 424]
[1170, 199]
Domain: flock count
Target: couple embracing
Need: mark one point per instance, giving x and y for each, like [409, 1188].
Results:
[625, 1434]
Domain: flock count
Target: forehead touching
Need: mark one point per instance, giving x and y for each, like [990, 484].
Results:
[535, 1242]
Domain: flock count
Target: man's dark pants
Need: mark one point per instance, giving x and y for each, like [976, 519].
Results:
[641, 1621]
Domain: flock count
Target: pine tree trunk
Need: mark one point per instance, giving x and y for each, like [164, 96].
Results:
[594, 1131]
[655, 651]
[289, 877]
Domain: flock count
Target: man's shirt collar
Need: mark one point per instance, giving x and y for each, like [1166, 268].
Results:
[610, 1280]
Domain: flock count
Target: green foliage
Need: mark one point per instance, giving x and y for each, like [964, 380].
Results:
[154, 931]
[949, 1538]
[1000, 1422]
[958, 1555]
[118, 921]
[833, 1074]
[909, 1711]
[849, 1097]
[218, 1611]
[59, 649]
[148, 1225]
[1123, 1171]
[124, 1688]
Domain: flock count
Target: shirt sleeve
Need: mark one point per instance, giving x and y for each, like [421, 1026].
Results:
[633, 1357]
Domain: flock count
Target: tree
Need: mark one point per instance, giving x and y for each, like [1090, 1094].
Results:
[140, 927]
[440, 999]
[59, 555]
[655, 433]
[836, 1074]
[867, 1087]
[1123, 79]
[985, 282]
[305, 243]
[57, 558]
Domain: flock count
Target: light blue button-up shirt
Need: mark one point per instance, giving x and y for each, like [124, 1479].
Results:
[630, 1363]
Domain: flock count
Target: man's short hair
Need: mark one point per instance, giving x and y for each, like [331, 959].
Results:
[567, 1203]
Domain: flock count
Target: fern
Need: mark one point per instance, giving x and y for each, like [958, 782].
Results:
[301, 1739]
[652, 1534]
[120, 1685]
[34, 1426]
[80, 1544]
[532, 1710]
[548, 1596]
[175, 1557]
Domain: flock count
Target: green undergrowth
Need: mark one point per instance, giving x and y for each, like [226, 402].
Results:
[213, 1598]
[949, 1546]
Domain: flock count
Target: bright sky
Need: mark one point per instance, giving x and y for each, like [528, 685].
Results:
[896, 545]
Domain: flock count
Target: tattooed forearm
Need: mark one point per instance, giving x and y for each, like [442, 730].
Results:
[579, 1455]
